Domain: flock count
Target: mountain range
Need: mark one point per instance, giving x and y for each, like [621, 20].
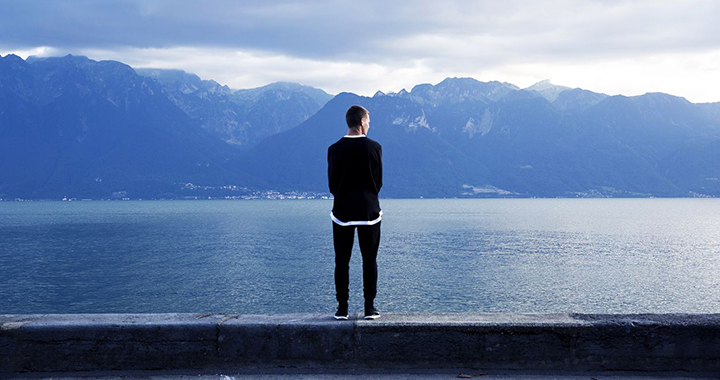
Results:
[71, 126]
[240, 117]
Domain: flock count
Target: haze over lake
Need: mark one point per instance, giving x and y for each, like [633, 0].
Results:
[436, 255]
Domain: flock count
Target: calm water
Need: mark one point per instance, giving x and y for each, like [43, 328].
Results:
[484, 255]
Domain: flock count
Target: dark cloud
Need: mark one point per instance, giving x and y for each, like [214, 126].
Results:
[309, 28]
[365, 30]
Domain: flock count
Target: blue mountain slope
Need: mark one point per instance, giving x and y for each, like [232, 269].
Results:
[417, 161]
[73, 126]
[518, 145]
[240, 117]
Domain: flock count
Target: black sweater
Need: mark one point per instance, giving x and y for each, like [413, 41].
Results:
[355, 178]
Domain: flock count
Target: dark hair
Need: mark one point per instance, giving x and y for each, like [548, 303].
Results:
[354, 116]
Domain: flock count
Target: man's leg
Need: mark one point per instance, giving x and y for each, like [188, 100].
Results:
[343, 242]
[369, 239]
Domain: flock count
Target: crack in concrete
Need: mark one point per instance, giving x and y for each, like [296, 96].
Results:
[218, 338]
[354, 338]
[227, 317]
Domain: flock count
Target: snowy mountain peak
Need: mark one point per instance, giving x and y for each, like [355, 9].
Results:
[548, 90]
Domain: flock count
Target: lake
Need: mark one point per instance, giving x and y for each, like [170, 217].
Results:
[436, 255]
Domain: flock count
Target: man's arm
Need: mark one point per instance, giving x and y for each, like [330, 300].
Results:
[379, 181]
[331, 169]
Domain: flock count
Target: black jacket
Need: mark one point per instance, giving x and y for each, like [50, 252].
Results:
[355, 178]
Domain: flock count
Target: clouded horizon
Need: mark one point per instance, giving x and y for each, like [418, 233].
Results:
[609, 46]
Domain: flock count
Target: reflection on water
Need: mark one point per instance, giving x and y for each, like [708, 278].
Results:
[482, 255]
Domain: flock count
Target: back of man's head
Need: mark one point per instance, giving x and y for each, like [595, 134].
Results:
[354, 116]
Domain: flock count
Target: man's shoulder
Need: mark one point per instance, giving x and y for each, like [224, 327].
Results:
[348, 141]
[335, 144]
[372, 143]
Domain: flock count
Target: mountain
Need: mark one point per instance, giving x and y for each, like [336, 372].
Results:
[417, 161]
[547, 90]
[458, 90]
[670, 138]
[73, 126]
[463, 137]
[240, 117]
[566, 98]
[577, 99]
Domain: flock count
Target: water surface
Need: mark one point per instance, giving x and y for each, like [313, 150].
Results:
[436, 255]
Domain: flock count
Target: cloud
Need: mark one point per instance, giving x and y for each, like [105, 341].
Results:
[243, 69]
[390, 45]
[356, 29]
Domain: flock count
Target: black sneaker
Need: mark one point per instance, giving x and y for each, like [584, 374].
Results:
[342, 313]
[371, 313]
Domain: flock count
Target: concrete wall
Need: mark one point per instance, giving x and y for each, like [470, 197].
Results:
[650, 342]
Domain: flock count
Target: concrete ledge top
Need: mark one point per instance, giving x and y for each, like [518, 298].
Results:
[210, 320]
[450, 319]
[17, 321]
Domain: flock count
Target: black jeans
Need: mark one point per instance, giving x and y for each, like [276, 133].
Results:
[369, 239]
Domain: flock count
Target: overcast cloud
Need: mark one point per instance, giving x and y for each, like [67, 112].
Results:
[627, 47]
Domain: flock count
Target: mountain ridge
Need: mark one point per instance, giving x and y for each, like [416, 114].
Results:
[240, 117]
[72, 126]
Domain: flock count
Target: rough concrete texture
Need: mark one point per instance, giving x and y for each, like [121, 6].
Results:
[91, 342]
[362, 373]
[545, 341]
[66, 342]
[292, 339]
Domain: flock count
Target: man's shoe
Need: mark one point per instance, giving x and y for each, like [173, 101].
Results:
[342, 314]
[371, 313]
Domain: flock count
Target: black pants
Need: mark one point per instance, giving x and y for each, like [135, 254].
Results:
[369, 239]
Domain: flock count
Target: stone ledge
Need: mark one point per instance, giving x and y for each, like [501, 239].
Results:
[630, 342]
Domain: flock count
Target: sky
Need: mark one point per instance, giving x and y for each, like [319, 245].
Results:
[609, 46]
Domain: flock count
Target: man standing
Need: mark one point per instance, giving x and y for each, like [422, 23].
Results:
[355, 179]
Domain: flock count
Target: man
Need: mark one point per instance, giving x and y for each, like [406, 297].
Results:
[355, 178]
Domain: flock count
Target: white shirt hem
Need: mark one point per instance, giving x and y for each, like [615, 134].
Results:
[356, 222]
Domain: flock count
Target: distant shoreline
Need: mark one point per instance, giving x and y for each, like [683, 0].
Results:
[19, 200]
